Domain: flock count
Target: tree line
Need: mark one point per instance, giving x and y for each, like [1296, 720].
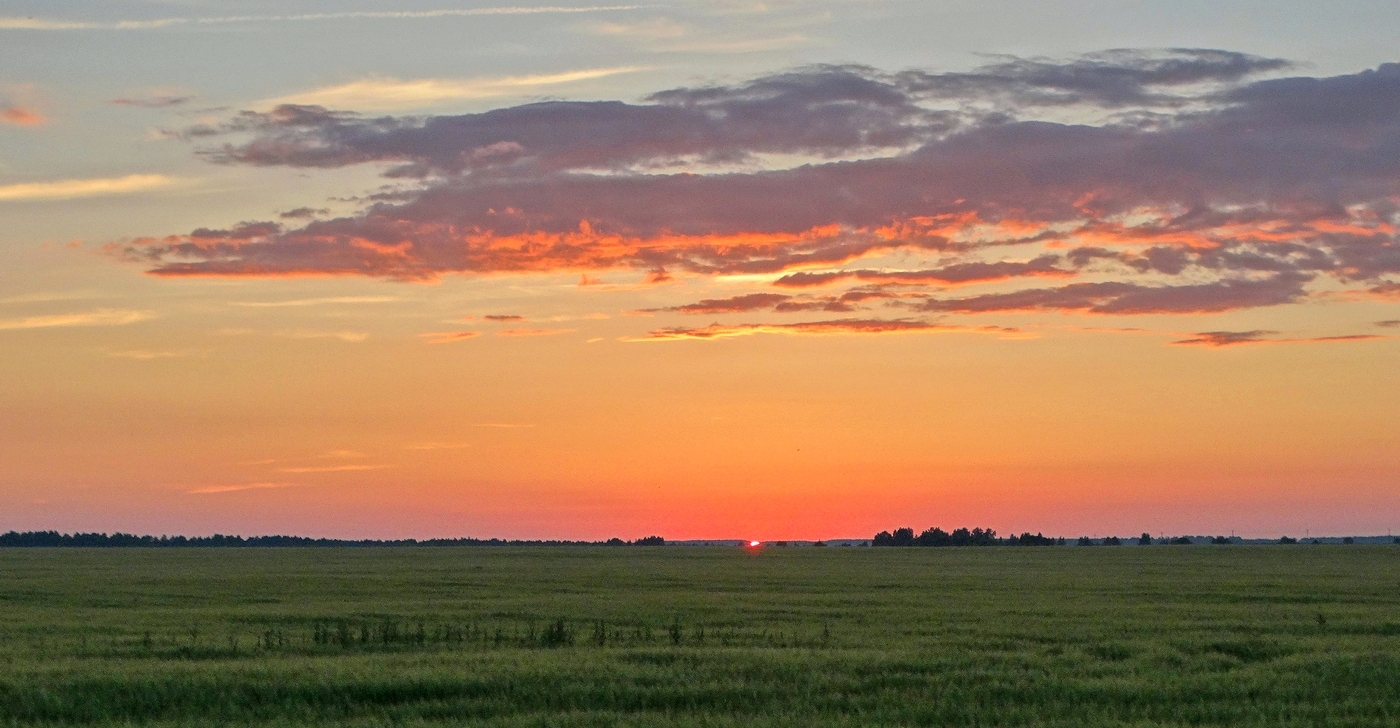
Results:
[988, 537]
[125, 540]
[961, 537]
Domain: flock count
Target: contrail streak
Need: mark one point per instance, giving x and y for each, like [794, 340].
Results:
[16, 23]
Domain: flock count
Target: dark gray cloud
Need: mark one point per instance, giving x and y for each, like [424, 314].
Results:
[1114, 78]
[303, 213]
[735, 304]
[154, 102]
[975, 272]
[838, 327]
[1134, 298]
[1218, 339]
[1225, 338]
[820, 111]
[1237, 199]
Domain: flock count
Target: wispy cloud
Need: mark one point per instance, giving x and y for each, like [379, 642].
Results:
[819, 328]
[147, 354]
[750, 45]
[1219, 339]
[20, 104]
[21, 116]
[385, 94]
[153, 102]
[72, 188]
[438, 446]
[665, 35]
[343, 454]
[444, 337]
[534, 332]
[208, 489]
[97, 317]
[331, 468]
[316, 301]
[353, 337]
[18, 23]
[46, 297]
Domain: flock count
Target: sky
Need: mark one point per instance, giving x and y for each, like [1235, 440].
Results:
[771, 270]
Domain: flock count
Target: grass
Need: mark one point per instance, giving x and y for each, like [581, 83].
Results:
[1159, 636]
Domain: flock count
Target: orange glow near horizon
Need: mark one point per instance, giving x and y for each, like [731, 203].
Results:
[809, 303]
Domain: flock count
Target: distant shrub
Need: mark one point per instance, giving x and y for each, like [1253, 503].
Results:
[1181, 541]
[1348, 540]
[1112, 541]
[1286, 539]
[675, 631]
[557, 634]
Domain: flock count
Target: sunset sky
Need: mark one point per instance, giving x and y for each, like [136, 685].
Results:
[699, 269]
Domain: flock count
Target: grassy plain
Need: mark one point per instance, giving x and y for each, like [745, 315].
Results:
[691, 636]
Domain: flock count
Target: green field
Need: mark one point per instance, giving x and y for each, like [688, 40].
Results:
[583, 636]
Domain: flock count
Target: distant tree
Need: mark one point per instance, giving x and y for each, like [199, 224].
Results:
[615, 541]
[935, 537]
[1145, 539]
[883, 538]
[1037, 539]
[1221, 540]
[780, 543]
[1348, 539]
[650, 541]
[1396, 540]
[1286, 539]
[903, 537]
[1181, 541]
[819, 543]
[1112, 541]
[1086, 541]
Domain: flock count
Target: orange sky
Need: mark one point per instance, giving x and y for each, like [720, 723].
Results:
[723, 283]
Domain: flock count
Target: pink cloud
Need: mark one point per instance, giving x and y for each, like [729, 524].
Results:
[21, 116]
